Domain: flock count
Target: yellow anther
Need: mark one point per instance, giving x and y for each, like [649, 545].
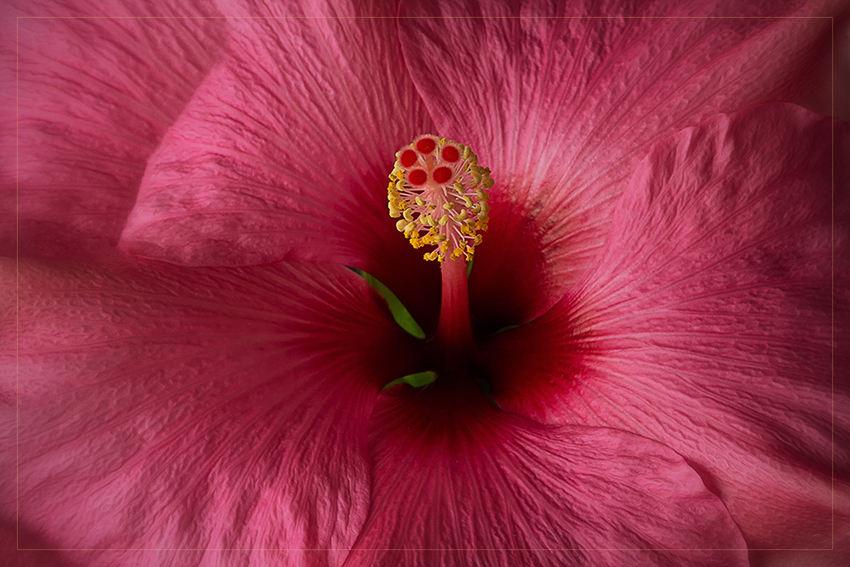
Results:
[463, 212]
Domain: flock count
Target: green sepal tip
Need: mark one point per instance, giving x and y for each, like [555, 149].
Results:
[399, 312]
[416, 380]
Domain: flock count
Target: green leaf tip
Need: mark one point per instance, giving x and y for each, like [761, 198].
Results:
[399, 312]
[416, 380]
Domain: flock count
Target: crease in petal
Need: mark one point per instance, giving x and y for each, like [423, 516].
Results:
[708, 322]
[285, 149]
[93, 87]
[177, 416]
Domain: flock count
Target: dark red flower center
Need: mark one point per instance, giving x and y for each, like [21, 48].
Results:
[437, 190]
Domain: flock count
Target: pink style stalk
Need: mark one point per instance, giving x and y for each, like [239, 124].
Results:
[646, 366]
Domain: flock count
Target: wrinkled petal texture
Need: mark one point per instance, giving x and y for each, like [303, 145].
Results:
[707, 323]
[458, 482]
[193, 417]
[562, 100]
[87, 100]
[285, 149]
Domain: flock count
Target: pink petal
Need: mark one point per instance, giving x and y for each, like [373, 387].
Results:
[15, 556]
[707, 323]
[87, 103]
[828, 91]
[194, 417]
[562, 99]
[838, 556]
[459, 483]
[285, 150]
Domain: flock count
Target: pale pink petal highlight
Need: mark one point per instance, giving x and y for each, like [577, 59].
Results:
[285, 149]
[707, 323]
[562, 99]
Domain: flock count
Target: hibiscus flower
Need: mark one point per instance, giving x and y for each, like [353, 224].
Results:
[194, 376]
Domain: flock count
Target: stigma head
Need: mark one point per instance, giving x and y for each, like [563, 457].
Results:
[439, 194]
